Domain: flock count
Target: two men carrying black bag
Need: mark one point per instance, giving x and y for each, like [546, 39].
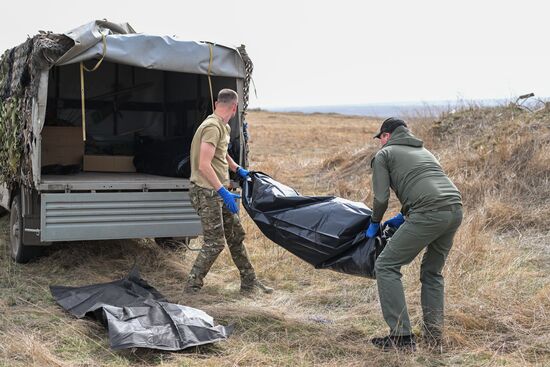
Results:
[430, 216]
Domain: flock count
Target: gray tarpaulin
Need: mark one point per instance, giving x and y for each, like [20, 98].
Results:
[137, 315]
[125, 46]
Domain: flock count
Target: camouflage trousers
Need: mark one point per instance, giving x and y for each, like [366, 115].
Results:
[220, 226]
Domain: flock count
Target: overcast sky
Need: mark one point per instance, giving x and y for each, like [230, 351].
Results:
[340, 52]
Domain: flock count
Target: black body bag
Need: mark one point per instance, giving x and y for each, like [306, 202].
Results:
[138, 316]
[325, 231]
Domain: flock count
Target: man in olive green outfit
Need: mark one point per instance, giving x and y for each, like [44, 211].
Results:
[216, 206]
[430, 216]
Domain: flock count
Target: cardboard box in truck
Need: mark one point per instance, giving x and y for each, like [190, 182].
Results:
[109, 163]
[62, 145]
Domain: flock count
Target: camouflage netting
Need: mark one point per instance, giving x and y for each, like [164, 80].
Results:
[20, 69]
[248, 68]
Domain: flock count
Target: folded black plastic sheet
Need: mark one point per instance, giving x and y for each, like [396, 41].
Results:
[325, 231]
[137, 315]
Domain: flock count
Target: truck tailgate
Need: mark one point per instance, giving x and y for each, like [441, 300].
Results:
[99, 216]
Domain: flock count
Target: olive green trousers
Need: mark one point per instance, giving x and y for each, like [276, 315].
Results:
[433, 231]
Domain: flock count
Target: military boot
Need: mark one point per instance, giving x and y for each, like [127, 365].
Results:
[194, 282]
[395, 342]
[251, 286]
[432, 339]
[191, 289]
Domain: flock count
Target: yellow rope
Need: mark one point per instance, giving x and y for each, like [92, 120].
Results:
[209, 79]
[82, 100]
[82, 97]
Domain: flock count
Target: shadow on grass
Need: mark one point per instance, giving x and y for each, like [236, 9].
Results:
[158, 357]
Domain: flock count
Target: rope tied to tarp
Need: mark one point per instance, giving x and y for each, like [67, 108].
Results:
[211, 47]
[82, 94]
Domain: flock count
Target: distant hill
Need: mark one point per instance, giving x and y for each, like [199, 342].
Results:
[397, 109]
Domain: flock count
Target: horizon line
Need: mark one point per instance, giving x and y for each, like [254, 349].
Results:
[440, 102]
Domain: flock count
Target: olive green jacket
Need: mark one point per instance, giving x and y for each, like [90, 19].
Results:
[413, 173]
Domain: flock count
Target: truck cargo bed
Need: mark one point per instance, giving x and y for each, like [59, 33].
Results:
[101, 181]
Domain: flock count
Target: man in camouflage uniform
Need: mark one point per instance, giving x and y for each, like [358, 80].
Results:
[216, 206]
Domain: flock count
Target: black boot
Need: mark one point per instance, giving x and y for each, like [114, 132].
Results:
[395, 342]
[432, 338]
[435, 345]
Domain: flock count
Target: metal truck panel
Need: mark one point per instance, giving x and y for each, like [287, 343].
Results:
[105, 181]
[100, 216]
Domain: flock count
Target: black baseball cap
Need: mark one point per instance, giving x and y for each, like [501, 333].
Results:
[389, 125]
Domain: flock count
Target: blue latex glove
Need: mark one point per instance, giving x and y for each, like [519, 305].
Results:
[229, 200]
[396, 221]
[372, 230]
[242, 172]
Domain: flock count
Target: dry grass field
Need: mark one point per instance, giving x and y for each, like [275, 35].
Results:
[497, 276]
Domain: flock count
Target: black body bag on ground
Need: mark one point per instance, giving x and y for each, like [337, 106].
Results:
[325, 231]
[137, 315]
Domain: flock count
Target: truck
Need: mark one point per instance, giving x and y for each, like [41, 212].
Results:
[95, 132]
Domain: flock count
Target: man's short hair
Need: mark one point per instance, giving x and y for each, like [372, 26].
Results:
[227, 96]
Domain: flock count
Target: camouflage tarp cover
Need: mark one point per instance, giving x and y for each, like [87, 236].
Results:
[20, 69]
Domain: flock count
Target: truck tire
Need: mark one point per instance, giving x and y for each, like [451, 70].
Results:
[18, 251]
[3, 212]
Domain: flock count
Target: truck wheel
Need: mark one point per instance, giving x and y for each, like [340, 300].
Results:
[18, 251]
